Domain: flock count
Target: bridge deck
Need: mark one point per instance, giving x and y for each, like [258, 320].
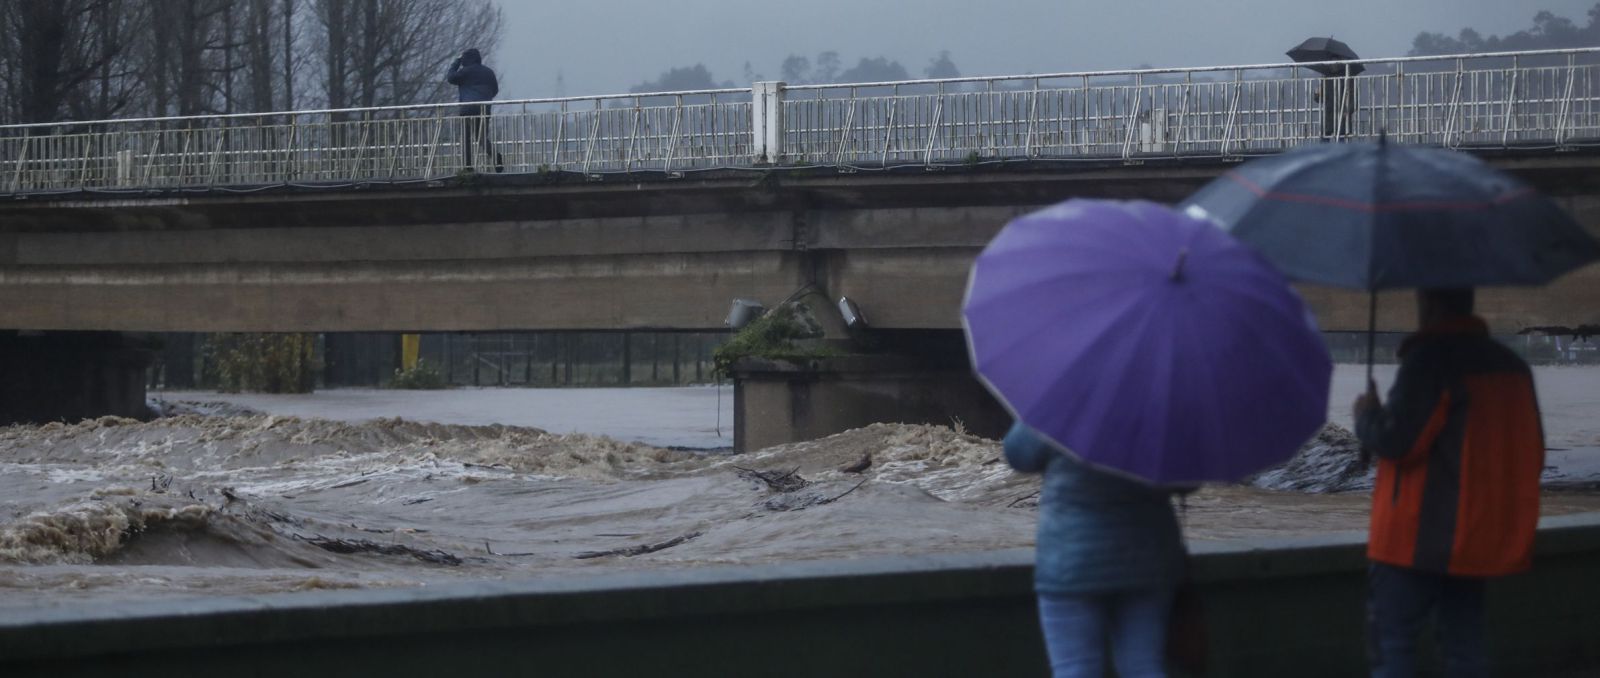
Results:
[1522, 100]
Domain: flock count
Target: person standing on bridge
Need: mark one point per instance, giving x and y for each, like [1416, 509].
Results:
[1460, 449]
[1338, 97]
[475, 84]
[1338, 65]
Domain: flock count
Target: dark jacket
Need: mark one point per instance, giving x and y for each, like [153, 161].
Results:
[474, 81]
[1460, 449]
[1098, 532]
[1338, 97]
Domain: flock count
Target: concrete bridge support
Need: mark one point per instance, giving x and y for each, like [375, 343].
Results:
[783, 402]
[68, 376]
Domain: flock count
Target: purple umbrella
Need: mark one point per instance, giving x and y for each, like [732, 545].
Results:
[1146, 342]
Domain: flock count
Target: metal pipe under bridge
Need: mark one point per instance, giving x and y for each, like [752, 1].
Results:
[1532, 100]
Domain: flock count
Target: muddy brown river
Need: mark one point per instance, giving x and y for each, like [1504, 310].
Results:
[234, 503]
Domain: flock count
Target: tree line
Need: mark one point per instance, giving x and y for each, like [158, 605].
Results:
[827, 68]
[63, 60]
[1548, 32]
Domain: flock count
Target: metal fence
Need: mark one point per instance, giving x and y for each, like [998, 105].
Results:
[1545, 99]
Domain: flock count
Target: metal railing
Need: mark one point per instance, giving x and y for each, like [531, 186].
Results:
[1543, 99]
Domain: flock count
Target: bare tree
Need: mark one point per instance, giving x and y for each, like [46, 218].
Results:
[97, 59]
[390, 52]
[185, 60]
[266, 34]
[116, 88]
[49, 51]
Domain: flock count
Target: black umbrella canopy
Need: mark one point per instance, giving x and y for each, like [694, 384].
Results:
[1326, 49]
[1384, 216]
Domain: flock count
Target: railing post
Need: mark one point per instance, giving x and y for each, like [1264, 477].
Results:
[633, 134]
[766, 110]
[291, 164]
[672, 142]
[1511, 102]
[155, 154]
[22, 161]
[1132, 123]
[89, 138]
[1401, 116]
[561, 130]
[594, 135]
[1033, 118]
[1455, 107]
[433, 144]
[1565, 108]
[844, 135]
[888, 127]
[124, 167]
[1233, 111]
[933, 129]
[217, 162]
[1182, 134]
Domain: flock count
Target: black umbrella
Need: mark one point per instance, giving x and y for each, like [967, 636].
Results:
[1326, 49]
[1382, 216]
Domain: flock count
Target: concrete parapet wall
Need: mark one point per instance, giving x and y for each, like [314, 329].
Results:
[1273, 608]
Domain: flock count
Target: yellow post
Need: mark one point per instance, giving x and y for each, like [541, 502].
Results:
[410, 347]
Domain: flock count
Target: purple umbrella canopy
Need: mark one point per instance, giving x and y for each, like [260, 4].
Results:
[1146, 342]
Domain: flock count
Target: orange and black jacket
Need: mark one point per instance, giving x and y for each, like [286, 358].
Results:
[1460, 449]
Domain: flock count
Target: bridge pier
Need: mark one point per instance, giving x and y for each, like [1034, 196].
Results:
[923, 378]
[68, 376]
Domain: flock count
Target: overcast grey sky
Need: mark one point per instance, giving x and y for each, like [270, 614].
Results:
[606, 46]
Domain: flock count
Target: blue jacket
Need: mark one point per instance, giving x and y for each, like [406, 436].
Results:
[1098, 532]
[474, 81]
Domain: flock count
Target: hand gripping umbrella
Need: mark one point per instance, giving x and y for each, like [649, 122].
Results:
[1146, 342]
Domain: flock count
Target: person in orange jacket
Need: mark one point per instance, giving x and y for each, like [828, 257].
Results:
[1460, 449]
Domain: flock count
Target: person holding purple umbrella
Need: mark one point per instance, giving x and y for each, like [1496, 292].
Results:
[1109, 559]
[1143, 352]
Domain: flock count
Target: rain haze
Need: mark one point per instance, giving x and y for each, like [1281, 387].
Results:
[605, 46]
[334, 343]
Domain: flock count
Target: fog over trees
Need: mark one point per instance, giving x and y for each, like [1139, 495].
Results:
[826, 68]
[63, 60]
[1548, 32]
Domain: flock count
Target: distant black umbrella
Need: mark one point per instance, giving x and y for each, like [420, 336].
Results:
[1326, 49]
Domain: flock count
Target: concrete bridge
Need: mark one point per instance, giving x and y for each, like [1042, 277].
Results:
[656, 210]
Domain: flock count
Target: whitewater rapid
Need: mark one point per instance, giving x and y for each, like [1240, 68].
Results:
[218, 499]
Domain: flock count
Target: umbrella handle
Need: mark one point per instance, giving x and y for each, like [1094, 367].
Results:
[1372, 344]
[1372, 331]
[1177, 270]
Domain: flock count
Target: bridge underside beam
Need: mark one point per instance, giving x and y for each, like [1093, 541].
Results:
[603, 256]
[688, 291]
[895, 289]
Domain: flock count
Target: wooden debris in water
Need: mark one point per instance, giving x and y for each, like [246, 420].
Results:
[778, 481]
[631, 551]
[797, 501]
[363, 546]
